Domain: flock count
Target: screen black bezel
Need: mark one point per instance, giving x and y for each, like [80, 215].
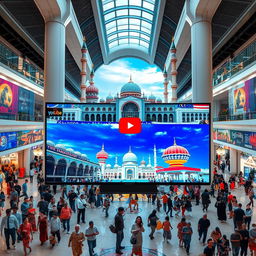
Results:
[129, 184]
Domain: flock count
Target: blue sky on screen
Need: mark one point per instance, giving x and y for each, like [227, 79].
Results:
[88, 139]
[110, 78]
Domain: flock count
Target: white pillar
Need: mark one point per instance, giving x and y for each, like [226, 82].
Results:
[233, 161]
[201, 50]
[54, 61]
[27, 160]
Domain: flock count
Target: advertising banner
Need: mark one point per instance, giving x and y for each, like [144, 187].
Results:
[223, 135]
[243, 97]
[28, 137]
[26, 102]
[8, 97]
[8, 140]
[250, 140]
[237, 138]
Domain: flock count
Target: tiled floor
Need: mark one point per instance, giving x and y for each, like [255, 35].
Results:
[106, 240]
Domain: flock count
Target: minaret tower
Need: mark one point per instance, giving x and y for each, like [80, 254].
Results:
[83, 72]
[155, 159]
[102, 156]
[165, 75]
[91, 90]
[173, 72]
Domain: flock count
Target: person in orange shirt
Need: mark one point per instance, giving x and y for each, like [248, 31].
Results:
[165, 201]
[167, 229]
[65, 215]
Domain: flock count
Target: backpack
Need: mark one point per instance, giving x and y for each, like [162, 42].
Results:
[112, 229]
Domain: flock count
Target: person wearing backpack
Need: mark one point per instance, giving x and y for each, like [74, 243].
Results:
[152, 223]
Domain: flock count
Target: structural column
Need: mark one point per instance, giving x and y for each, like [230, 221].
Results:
[54, 61]
[233, 161]
[27, 160]
[201, 51]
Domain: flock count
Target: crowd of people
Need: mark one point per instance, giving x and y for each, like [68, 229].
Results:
[22, 215]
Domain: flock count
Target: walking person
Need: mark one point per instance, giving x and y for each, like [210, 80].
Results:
[235, 240]
[42, 226]
[170, 206]
[19, 219]
[205, 200]
[24, 208]
[76, 241]
[203, 225]
[248, 216]
[25, 188]
[65, 215]
[26, 234]
[167, 229]
[119, 227]
[106, 205]
[72, 200]
[165, 201]
[152, 222]
[10, 225]
[137, 229]
[81, 204]
[55, 226]
[244, 240]
[238, 216]
[180, 227]
[209, 249]
[187, 232]
[31, 174]
[91, 234]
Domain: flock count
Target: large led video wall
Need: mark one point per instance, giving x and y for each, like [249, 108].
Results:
[79, 151]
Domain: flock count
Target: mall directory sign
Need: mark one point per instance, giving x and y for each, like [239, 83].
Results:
[84, 145]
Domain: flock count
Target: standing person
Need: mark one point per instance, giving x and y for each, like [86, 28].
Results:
[238, 216]
[2, 202]
[119, 227]
[52, 208]
[14, 198]
[80, 204]
[2, 178]
[65, 216]
[137, 229]
[252, 240]
[72, 200]
[31, 174]
[10, 225]
[43, 206]
[152, 222]
[24, 208]
[92, 198]
[244, 240]
[167, 229]
[235, 240]
[32, 217]
[55, 226]
[91, 234]
[209, 249]
[60, 204]
[26, 234]
[187, 232]
[230, 206]
[216, 236]
[221, 209]
[25, 188]
[42, 226]
[205, 200]
[224, 246]
[165, 201]
[203, 225]
[248, 216]
[106, 205]
[180, 227]
[76, 241]
[170, 206]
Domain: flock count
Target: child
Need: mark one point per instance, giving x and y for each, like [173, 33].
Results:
[167, 229]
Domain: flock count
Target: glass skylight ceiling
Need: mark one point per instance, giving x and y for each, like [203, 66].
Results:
[128, 22]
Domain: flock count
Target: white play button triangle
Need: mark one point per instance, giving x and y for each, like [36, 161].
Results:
[130, 125]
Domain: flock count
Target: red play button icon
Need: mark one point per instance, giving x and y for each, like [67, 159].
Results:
[130, 125]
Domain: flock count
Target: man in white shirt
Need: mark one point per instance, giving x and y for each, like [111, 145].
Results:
[91, 234]
[81, 204]
[31, 174]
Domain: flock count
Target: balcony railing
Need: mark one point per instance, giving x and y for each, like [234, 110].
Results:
[245, 116]
[23, 117]
[21, 65]
[236, 64]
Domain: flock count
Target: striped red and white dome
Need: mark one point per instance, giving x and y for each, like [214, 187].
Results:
[92, 88]
[102, 154]
[175, 149]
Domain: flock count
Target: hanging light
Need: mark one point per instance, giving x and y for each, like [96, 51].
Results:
[220, 151]
[38, 151]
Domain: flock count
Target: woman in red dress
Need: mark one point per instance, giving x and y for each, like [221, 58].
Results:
[32, 217]
[26, 234]
[43, 228]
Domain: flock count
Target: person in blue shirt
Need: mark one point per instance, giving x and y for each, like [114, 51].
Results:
[10, 226]
[24, 208]
[19, 219]
[187, 234]
[25, 188]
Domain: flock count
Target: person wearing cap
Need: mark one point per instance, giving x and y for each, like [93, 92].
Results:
[10, 226]
[119, 227]
[91, 234]
[55, 226]
[76, 241]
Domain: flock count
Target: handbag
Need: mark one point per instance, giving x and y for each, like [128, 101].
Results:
[133, 239]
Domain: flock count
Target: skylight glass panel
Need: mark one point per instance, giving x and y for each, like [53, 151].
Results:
[147, 15]
[115, 43]
[121, 2]
[134, 21]
[145, 44]
[148, 5]
[123, 27]
[135, 2]
[112, 37]
[122, 12]
[146, 24]
[122, 22]
[135, 34]
[109, 16]
[108, 6]
[123, 41]
[146, 30]
[135, 27]
[135, 12]
[110, 25]
[145, 37]
[123, 34]
[134, 41]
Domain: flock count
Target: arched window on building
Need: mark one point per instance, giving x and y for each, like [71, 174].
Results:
[80, 170]
[109, 118]
[98, 117]
[165, 118]
[50, 164]
[196, 116]
[192, 117]
[148, 118]
[104, 119]
[92, 117]
[104, 109]
[98, 109]
[61, 167]
[109, 109]
[165, 109]
[86, 109]
[171, 118]
[92, 109]
[86, 117]
[114, 118]
[159, 118]
[72, 169]
[153, 117]
[159, 109]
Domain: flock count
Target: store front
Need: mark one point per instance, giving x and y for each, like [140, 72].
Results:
[10, 159]
[248, 165]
